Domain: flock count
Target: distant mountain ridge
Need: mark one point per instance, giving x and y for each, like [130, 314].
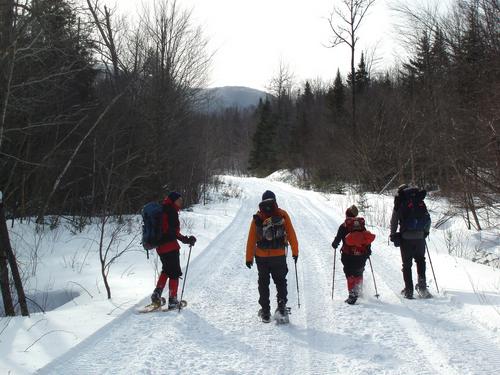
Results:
[234, 96]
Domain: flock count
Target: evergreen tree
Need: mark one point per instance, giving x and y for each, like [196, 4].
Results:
[417, 70]
[362, 79]
[336, 96]
[263, 155]
[300, 141]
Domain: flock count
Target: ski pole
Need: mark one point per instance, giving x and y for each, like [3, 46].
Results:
[432, 268]
[185, 277]
[297, 281]
[373, 275]
[333, 278]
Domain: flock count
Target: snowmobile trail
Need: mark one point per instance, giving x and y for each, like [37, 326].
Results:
[219, 332]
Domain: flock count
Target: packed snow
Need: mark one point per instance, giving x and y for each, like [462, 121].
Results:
[81, 332]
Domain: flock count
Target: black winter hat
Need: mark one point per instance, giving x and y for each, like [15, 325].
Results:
[174, 196]
[268, 194]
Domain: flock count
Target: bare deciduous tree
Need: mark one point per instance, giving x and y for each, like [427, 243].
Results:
[344, 22]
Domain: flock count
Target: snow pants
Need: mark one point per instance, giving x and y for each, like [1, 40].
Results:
[413, 249]
[276, 268]
[354, 266]
[171, 270]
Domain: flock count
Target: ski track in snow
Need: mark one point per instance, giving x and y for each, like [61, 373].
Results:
[219, 332]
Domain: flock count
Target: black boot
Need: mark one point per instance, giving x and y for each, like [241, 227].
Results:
[421, 288]
[407, 293]
[156, 298]
[264, 315]
[281, 313]
[352, 298]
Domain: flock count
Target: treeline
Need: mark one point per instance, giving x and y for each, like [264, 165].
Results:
[434, 120]
[99, 115]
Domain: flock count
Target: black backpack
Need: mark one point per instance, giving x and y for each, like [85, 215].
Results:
[412, 211]
[152, 235]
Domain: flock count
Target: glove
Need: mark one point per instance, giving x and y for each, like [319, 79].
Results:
[369, 252]
[295, 257]
[249, 264]
[334, 246]
[191, 240]
[426, 234]
[395, 239]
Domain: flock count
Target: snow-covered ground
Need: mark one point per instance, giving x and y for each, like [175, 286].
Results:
[457, 332]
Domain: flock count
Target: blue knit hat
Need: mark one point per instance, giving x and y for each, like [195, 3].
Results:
[174, 196]
[268, 194]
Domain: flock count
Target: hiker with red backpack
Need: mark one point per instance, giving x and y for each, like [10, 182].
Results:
[271, 231]
[410, 213]
[356, 249]
[168, 250]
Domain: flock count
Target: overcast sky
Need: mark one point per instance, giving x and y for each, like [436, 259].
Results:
[250, 37]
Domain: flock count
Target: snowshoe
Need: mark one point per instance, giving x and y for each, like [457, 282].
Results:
[422, 291]
[175, 306]
[351, 300]
[154, 306]
[407, 293]
[264, 315]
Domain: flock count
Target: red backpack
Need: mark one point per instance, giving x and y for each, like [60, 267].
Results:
[358, 238]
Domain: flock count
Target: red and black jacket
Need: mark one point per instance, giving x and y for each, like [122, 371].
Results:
[363, 238]
[170, 228]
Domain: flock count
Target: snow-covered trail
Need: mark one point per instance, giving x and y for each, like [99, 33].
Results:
[219, 332]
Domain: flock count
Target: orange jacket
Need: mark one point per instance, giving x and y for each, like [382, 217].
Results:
[253, 250]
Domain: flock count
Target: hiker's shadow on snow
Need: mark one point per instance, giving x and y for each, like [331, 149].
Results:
[335, 343]
[419, 313]
[207, 335]
[473, 298]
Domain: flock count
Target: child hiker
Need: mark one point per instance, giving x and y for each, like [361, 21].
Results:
[355, 251]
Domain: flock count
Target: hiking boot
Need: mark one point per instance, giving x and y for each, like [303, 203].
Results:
[352, 298]
[156, 296]
[282, 308]
[264, 315]
[281, 313]
[173, 302]
[407, 293]
[422, 290]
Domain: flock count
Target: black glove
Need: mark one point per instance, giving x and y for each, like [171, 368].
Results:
[426, 234]
[395, 239]
[369, 252]
[191, 240]
[334, 246]
[249, 264]
[295, 257]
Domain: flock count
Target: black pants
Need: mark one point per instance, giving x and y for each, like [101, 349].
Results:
[354, 265]
[276, 268]
[412, 249]
[170, 264]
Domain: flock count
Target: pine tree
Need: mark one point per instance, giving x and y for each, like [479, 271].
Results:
[362, 79]
[263, 155]
[336, 96]
[416, 73]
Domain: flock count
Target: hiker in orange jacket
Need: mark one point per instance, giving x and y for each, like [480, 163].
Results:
[270, 233]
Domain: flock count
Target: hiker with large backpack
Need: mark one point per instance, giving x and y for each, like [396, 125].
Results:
[161, 231]
[410, 213]
[356, 249]
[270, 233]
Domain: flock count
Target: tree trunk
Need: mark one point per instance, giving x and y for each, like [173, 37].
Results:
[4, 275]
[5, 248]
[353, 90]
[6, 62]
